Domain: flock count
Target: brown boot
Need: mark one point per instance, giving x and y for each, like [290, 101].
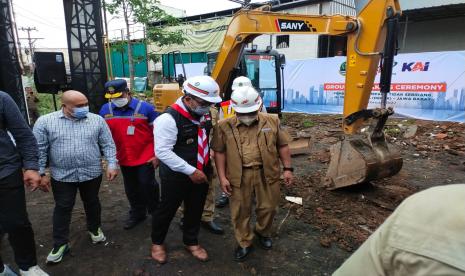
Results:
[159, 253]
[198, 252]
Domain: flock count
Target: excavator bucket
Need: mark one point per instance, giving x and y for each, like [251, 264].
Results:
[355, 161]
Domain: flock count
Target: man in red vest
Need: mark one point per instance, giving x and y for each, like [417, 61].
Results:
[131, 124]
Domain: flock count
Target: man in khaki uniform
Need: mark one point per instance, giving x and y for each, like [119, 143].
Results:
[424, 236]
[247, 149]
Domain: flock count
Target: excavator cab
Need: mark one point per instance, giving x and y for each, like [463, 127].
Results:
[262, 67]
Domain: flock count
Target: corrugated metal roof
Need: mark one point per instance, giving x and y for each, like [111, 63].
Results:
[421, 4]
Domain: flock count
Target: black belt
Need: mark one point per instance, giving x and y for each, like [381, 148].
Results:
[253, 167]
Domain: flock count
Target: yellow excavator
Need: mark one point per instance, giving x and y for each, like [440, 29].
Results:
[371, 43]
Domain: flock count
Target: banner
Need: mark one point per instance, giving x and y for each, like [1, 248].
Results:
[202, 37]
[428, 86]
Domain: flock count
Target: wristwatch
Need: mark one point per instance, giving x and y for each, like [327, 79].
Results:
[291, 169]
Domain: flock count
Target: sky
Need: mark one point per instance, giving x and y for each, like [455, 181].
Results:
[48, 18]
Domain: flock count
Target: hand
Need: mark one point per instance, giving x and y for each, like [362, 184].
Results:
[198, 177]
[155, 162]
[288, 178]
[212, 155]
[45, 184]
[111, 174]
[31, 179]
[226, 186]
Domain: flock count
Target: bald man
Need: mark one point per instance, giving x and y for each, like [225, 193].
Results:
[72, 140]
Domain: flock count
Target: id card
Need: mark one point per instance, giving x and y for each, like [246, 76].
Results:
[131, 130]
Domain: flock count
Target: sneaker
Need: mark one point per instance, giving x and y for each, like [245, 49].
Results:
[100, 237]
[33, 271]
[57, 254]
[7, 271]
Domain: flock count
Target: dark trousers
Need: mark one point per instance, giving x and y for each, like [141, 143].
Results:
[15, 222]
[64, 194]
[173, 193]
[141, 189]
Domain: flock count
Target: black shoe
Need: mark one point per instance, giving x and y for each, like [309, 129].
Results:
[265, 242]
[222, 201]
[241, 253]
[212, 227]
[132, 222]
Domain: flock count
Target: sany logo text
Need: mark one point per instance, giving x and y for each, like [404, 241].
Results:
[291, 25]
[415, 66]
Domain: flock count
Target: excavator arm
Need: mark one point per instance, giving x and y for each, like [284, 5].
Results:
[371, 36]
[366, 35]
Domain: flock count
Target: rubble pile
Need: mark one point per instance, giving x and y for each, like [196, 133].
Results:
[433, 154]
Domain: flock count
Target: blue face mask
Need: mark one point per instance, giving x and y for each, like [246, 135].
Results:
[80, 112]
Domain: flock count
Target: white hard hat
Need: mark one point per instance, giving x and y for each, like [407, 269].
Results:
[241, 82]
[246, 100]
[203, 87]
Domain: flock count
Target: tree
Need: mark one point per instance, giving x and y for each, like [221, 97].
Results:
[148, 13]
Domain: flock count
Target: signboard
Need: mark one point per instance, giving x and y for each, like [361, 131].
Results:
[427, 86]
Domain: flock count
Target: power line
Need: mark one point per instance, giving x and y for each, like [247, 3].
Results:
[38, 18]
[30, 39]
[41, 22]
[35, 14]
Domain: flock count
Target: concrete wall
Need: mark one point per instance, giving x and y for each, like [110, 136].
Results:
[435, 35]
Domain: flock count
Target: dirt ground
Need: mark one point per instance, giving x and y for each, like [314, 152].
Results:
[314, 240]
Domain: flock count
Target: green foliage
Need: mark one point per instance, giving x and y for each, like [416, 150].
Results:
[118, 46]
[147, 12]
[154, 57]
[308, 123]
[162, 37]
[45, 103]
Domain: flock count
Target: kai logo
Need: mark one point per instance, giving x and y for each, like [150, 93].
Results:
[287, 25]
[415, 66]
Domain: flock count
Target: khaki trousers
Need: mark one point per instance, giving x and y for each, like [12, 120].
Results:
[266, 198]
[209, 207]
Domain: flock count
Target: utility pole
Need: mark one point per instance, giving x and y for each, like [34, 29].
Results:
[15, 28]
[30, 39]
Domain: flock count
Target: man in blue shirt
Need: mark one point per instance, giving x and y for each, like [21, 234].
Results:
[72, 139]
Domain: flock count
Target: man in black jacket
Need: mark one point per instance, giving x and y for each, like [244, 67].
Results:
[18, 164]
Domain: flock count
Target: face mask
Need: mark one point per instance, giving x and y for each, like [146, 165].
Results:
[247, 120]
[120, 102]
[201, 110]
[80, 112]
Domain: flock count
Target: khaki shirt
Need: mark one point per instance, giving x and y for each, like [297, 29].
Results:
[249, 143]
[227, 138]
[424, 236]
